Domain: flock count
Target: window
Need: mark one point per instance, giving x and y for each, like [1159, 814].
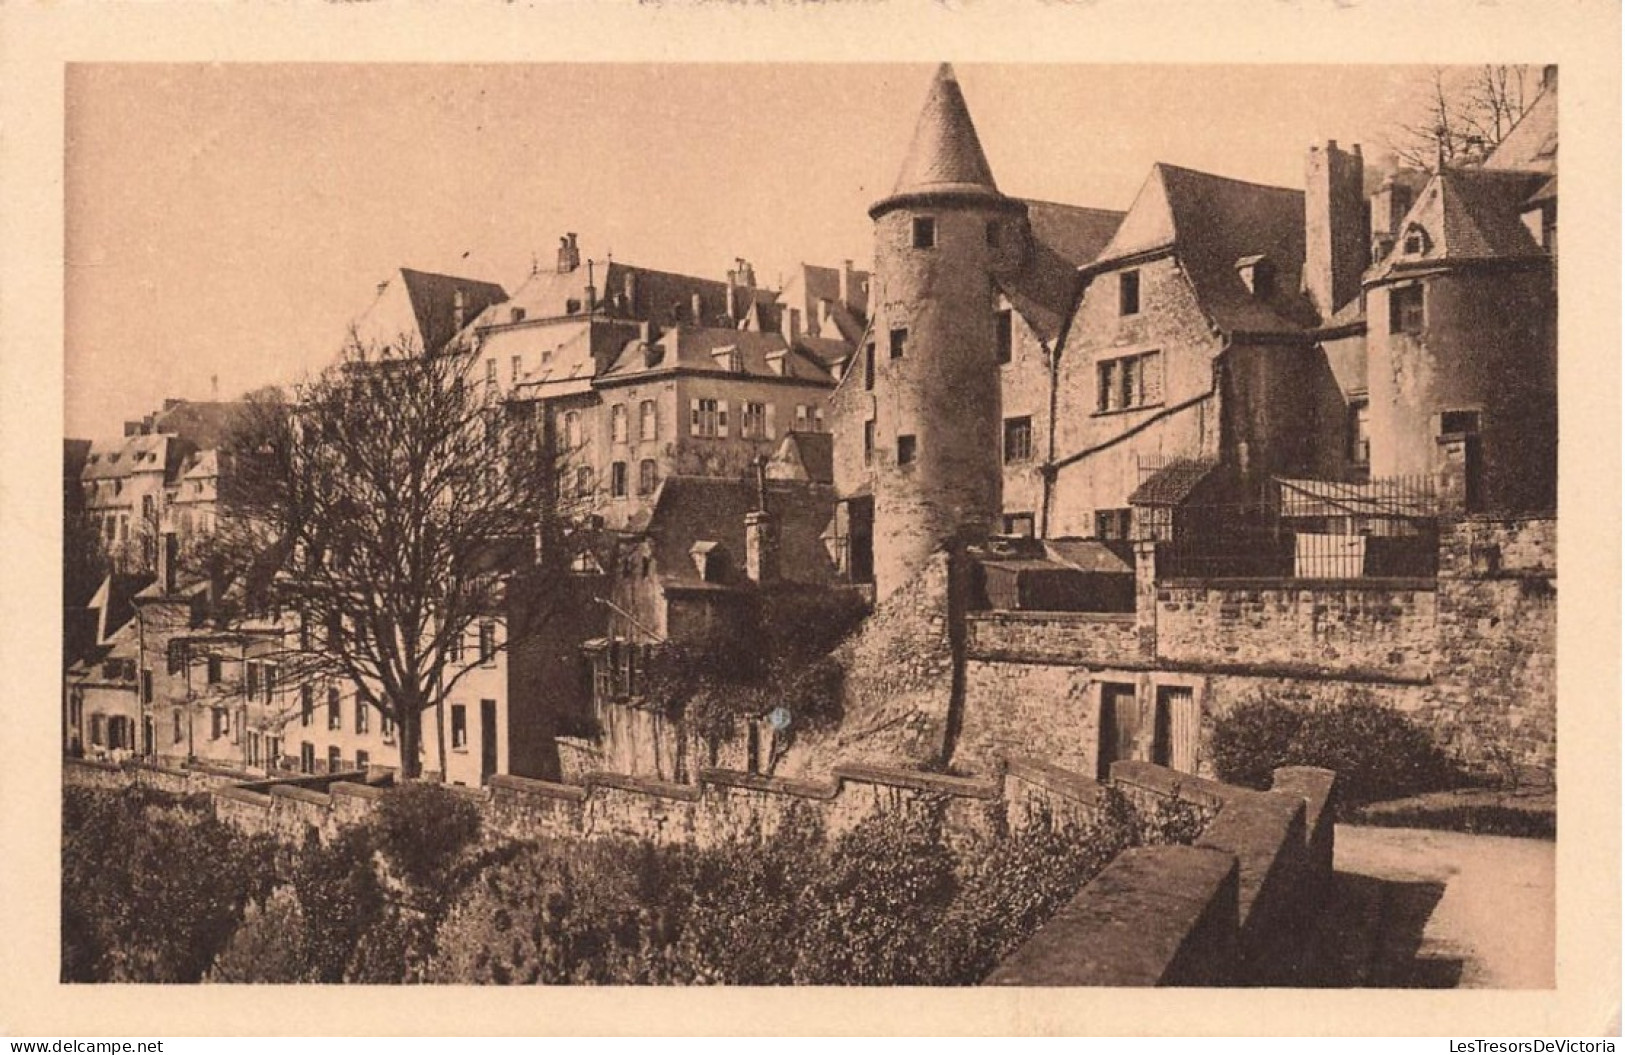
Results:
[362, 760]
[584, 481]
[1128, 293]
[307, 757]
[1004, 335]
[180, 733]
[993, 233]
[907, 450]
[386, 727]
[617, 480]
[146, 685]
[572, 430]
[1415, 242]
[454, 648]
[214, 673]
[754, 421]
[97, 725]
[899, 342]
[268, 681]
[1129, 381]
[1458, 422]
[1360, 432]
[334, 719]
[459, 726]
[1021, 524]
[617, 423]
[868, 365]
[360, 715]
[868, 442]
[1018, 440]
[708, 417]
[647, 477]
[177, 656]
[925, 232]
[335, 760]
[516, 364]
[648, 423]
[1113, 523]
[1405, 310]
[307, 705]
[488, 643]
[217, 722]
[252, 678]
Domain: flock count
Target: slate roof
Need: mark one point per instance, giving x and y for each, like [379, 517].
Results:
[1468, 214]
[1065, 237]
[658, 296]
[1531, 145]
[945, 155]
[812, 452]
[1173, 483]
[1210, 222]
[694, 509]
[115, 458]
[203, 424]
[1091, 555]
[688, 348]
[421, 305]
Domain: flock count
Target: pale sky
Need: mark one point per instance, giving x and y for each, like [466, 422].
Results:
[229, 220]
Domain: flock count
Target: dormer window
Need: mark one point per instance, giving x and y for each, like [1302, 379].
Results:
[925, 232]
[775, 363]
[730, 359]
[516, 315]
[1257, 273]
[708, 560]
[1415, 242]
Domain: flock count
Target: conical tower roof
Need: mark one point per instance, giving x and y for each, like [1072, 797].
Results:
[945, 157]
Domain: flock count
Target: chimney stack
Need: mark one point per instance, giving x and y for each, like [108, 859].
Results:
[459, 310]
[761, 544]
[848, 290]
[169, 558]
[1336, 240]
[1548, 78]
[790, 325]
[569, 254]
[629, 287]
[745, 274]
[696, 308]
[592, 291]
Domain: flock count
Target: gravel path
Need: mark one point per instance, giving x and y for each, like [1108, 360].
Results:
[1416, 908]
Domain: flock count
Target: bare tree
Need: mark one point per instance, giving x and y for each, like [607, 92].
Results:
[1463, 114]
[392, 506]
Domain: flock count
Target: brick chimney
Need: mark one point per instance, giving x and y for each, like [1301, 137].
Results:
[761, 542]
[592, 290]
[851, 292]
[569, 254]
[169, 559]
[1336, 240]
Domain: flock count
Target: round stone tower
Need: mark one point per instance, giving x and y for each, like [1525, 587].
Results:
[931, 363]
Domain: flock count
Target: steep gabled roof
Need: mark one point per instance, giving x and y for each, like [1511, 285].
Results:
[1065, 237]
[1210, 222]
[202, 424]
[1531, 145]
[1469, 214]
[804, 455]
[422, 306]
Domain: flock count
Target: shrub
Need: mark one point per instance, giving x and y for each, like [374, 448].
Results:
[1253, 739]
[1377, 752]
[421, 830]
[268, 945]
[152, 889]
[339, 896]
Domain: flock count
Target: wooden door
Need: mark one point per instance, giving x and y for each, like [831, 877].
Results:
[1178, 728]
[1119, 725]
[488, 739]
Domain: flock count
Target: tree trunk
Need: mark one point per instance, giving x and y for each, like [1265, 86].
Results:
[411, 722]
[440, 733]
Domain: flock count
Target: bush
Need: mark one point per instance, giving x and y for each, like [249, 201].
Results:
[421, 830]
[1253, 739]
[1377, 752]
[152, 888]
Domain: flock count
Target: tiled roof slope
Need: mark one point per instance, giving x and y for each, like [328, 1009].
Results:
[1211, 222]
[689, 348]
[1065, 237]
[692, 509]
[1468, 214]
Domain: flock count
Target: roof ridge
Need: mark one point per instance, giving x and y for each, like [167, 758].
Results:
[1183, 169]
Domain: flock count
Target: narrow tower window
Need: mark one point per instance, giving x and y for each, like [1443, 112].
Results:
[1128, 293]
[907, 450]
[1004, 335]
[925, 232]
[899, 343]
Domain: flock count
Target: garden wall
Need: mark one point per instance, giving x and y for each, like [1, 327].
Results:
[1234, 908]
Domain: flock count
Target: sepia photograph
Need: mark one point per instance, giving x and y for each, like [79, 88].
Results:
[549, 553]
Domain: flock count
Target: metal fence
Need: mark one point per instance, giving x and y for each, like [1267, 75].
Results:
[1302, 529]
